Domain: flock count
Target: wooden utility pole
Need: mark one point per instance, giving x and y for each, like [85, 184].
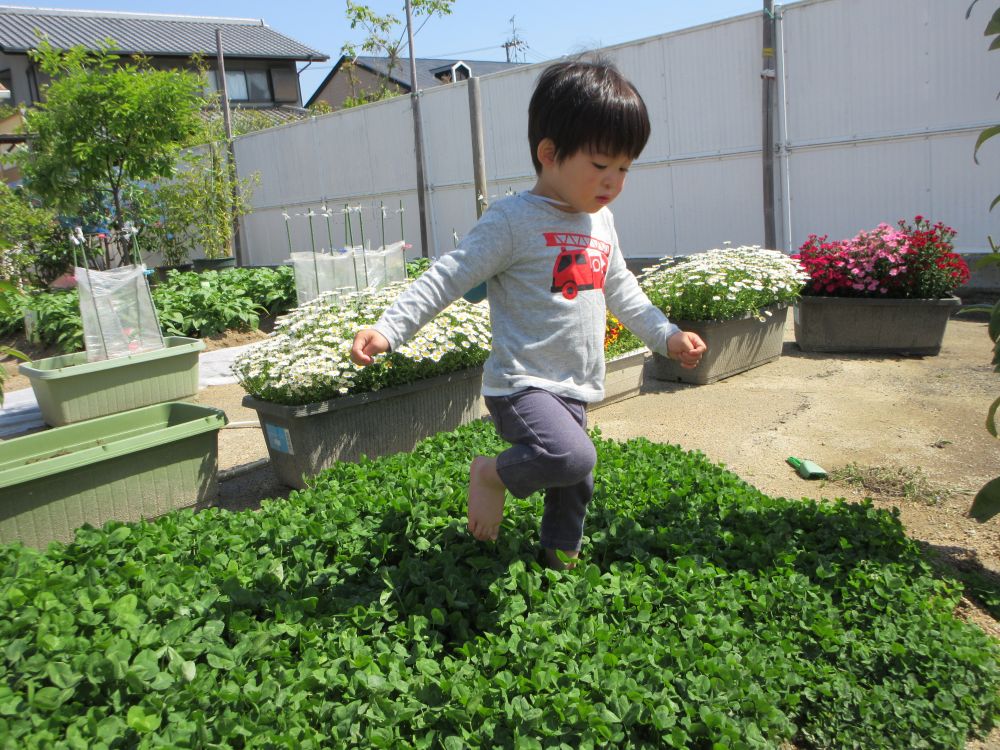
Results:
[769, 81]
[478, 148]
[418, 135]
[230, 151]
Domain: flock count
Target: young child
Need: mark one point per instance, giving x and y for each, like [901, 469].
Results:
[552, 262]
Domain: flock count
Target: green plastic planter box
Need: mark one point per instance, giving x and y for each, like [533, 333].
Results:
[70, 389]
[124, 467]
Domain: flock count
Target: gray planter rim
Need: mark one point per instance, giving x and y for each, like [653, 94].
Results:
[352, 400]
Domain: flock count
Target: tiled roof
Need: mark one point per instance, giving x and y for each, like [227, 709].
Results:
[149, 33]
[426, 67]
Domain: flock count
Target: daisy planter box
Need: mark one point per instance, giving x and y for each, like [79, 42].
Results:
[304, 440]
[875, 326]
[124, 467]
[623, 377]
[734, 346]
[70, 389]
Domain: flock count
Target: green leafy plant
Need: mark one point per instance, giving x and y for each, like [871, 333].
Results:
[308, 358]
[204, 304]
[992, 30]
[986, 504]
[188, 304]
[384, 36]
[360, 613]
[105, 126]
[58, 321]
[723, 284]
[10, 301]
[34, 248]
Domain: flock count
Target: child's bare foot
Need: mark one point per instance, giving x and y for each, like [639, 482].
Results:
[553, 561]
[486, 498]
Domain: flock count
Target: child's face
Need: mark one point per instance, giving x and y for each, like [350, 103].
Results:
[587, 180]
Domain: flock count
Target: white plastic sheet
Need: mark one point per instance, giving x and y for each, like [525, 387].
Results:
[348, 270]
[316, 273]
[117, 311]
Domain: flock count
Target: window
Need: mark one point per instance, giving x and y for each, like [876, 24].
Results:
[7, 81]
[248, 86]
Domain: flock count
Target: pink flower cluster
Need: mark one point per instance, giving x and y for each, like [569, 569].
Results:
[903, 261]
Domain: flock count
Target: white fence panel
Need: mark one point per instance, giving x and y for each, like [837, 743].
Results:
[883, 101]
[880, 102]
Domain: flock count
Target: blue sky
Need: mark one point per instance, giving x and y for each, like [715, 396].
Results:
[475, 30]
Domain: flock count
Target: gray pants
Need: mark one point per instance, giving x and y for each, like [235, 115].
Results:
[550, 450]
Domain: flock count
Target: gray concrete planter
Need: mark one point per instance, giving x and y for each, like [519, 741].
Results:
[876, 326]
[734, 346]
[304, 440]
[623, 377]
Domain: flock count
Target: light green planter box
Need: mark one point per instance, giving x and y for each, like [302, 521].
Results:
[304, 440]
[734, 346]
[124, 467]
[70, 389]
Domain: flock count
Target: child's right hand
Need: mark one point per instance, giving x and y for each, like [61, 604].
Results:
[367, 343]
[687, 348]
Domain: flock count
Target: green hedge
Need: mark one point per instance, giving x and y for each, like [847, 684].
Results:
[360, 613]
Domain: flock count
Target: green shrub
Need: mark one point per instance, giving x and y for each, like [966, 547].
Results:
[271, 288]
[12, 304]
[188, 304]
[58, 323]
[360, 613]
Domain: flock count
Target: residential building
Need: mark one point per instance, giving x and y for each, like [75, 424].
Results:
[351, 77]
[260, 63]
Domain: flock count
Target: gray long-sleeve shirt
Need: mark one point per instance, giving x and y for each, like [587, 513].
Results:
[551, 276]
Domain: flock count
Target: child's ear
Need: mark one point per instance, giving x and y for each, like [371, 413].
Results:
[546, 152]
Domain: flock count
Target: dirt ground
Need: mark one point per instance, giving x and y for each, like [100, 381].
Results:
[920, 415]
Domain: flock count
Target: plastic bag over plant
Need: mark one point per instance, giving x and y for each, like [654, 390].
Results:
[117, 311]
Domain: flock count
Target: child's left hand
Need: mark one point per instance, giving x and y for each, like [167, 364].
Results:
[687, 348]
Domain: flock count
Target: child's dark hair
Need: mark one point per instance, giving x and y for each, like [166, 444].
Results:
[590, 105]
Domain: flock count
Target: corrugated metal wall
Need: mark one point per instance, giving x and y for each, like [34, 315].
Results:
[880, 103]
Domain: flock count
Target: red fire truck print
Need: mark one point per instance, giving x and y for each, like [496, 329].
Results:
[581, 264]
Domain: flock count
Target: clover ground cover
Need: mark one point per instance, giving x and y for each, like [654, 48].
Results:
[359, 613]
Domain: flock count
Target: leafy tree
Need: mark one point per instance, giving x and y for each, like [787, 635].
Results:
[386, 37]
[34, 248]
[103, 128]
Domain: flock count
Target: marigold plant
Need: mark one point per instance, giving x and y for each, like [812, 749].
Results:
[915, 261]
[308, 358]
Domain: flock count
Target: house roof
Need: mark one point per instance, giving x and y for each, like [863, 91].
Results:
[426, 70]
[147, 33]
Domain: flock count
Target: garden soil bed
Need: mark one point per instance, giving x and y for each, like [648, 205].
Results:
[889, 412]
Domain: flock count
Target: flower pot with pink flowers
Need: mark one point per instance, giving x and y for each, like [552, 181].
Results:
[884, 291]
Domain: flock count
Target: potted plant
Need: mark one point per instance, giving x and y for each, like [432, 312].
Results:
[316, 407]
[735, 298]
[221, 198]
[888, 290]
